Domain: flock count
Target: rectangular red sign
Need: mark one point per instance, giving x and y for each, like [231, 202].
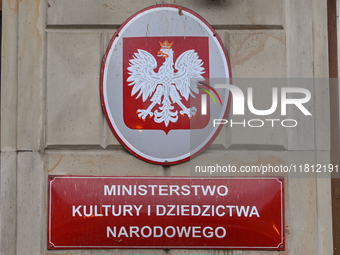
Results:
[87, 212]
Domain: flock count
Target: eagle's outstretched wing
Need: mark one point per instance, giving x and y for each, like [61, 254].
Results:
[142, 75]
[189, 68]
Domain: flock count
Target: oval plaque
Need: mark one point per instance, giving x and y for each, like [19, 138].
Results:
[157, 84]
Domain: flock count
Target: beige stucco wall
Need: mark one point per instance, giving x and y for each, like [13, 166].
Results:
[53, 123]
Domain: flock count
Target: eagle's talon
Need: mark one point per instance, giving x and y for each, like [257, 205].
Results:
[144, 113]
[191, 112]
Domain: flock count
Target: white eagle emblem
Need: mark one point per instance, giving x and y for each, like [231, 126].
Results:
[164, 85]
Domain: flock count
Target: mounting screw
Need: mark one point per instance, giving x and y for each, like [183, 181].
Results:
[51, 178]
[117, 35]
[280, 180]
[50, 246]
[281, 246]
[166, 162]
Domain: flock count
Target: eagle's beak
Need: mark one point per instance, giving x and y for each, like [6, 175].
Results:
[162, 54]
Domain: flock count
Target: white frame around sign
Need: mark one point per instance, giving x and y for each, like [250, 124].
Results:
[117, 127]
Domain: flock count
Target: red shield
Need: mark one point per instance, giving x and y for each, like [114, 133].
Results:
[131, 104]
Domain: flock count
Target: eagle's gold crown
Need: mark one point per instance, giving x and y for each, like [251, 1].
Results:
[166, 45]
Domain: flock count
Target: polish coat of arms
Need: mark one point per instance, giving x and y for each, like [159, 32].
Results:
[166, 83]
[157, 73]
